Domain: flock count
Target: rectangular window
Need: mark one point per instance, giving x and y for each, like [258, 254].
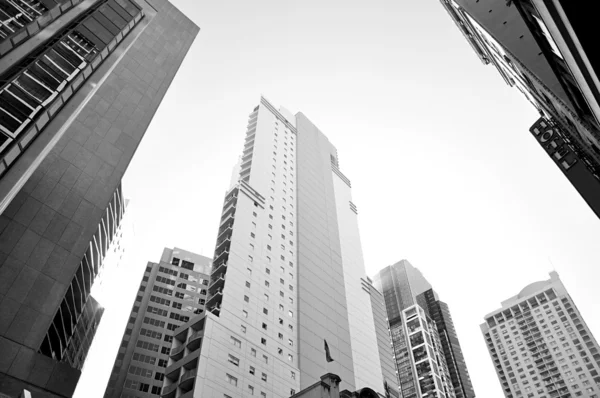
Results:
[235, 342]
[233, 360]
[232, 380]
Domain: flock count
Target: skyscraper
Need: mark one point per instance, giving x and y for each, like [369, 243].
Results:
[541, 346]
[541, 48]
[81, 81]
[418, 319]
[288, 289]
[171, 292]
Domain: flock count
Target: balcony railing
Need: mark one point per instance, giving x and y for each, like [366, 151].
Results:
[169, 391]
[216, 284]
[177, 353]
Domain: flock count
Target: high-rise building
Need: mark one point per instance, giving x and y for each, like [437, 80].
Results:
[541, 346]
[171, 292]
[428, 355]
[288, 290]
[541, 48]
[80, 82]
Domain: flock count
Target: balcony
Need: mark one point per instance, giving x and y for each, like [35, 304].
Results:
[216, 309]
[177, 353]
[169, 391]
[215, 298]
[186, 383]
[195, 340]
[249, 143]
[218, 271]
[227, 213]
[223, 235]
[216, 284]
[221, 258]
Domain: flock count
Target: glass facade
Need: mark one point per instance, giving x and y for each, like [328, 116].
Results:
[78, 311]
[433, 369]
[36, 90]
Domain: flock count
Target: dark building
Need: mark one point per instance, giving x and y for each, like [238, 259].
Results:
[408, 297]
[171, 292]
[79, 84]
[440, 313]
[543, 48]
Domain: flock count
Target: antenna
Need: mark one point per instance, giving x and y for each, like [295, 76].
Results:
[552, 264]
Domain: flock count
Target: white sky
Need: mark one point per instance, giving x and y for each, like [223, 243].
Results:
[444, 170]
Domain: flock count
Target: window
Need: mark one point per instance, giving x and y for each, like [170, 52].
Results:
[267, 284]
[265, 311]
[290, 342]
[243, 328]
[249, 271]
[245, 313]
[290, 357]
[280, 321]
[252, 235]
[233, 360]
[251, 246]
[263, 341]
[268, 271]
[253, 352]
[290, 313]
[247, 299]
[280, 351]
[250, 259]
[247, 284]
[236, 342]
[280, 335]
[293, 375]
[232, 380]
[264, 326]
[266, 297]
[252, 370]
[264, 377]
[250, 390]
[266, 359]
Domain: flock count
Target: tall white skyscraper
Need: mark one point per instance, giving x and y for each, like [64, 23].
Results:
[541, 346]
[288, 278]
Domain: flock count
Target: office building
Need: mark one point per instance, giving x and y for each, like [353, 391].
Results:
[541, 48]
[419, 320]
[171, 292]
[288, 276]
[541, 346]
[81, 81]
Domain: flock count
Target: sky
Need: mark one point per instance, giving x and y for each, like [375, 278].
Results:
[444, 170]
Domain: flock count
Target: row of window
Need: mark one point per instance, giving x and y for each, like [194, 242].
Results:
[143, 387]
[183, 263]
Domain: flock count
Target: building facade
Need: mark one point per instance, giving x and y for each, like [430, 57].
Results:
[81, 81]
[428, 355]
[288, 276]
[539, 47]
[541, 346]
[171, 292]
